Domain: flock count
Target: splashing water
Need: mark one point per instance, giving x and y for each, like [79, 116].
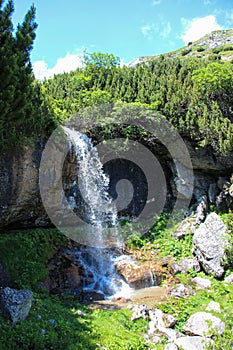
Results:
[100, 214]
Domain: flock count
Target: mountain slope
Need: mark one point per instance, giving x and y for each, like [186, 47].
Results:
[219, 42]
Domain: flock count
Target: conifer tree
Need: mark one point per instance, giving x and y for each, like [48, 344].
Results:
[16, 79]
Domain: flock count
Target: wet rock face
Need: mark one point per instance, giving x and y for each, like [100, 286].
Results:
[20, 200]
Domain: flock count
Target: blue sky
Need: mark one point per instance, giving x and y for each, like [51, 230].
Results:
[127, 28]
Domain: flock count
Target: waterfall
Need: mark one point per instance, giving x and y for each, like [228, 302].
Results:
[99, 212]
[92, 181]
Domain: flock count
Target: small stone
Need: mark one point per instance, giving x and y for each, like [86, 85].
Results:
[80, 313]
[174, 268]
[187, 227]
[202, 283]
[213, 306]
[231, 190]
[181, 291]
[169, 320]
[139, 311]
[229, 279]
[188, 264]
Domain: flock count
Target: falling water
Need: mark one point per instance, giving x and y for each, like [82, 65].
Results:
[100, 214]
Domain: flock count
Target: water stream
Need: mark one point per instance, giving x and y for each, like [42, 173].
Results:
[99, 211]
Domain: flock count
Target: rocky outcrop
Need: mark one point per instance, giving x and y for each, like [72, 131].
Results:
[209, 245]
[19, 187]
[140, 274]
[198, 329]
[20, 201]
[15, 304]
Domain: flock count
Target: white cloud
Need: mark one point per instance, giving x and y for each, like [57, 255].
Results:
[197, 27]
[65, 64]
[162, 29]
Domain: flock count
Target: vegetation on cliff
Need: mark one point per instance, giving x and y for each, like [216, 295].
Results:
[194, 92]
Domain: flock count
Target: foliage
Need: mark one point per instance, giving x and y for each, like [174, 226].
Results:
[50, 325]
[122, 334]
[229, 248]
[17, 118]
[193, 94]
[24, 254]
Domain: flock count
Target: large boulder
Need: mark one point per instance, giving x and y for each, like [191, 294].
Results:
[15, 304]
[140, 274]
[204, 324]
[193, 343]
[209, 245]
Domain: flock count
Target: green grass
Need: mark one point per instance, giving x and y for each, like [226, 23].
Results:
[24, 254]
[55, 323]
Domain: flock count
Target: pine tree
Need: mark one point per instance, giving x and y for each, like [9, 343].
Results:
[16, 79]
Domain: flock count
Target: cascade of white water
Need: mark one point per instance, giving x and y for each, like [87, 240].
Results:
[92, 181]
[99, 264]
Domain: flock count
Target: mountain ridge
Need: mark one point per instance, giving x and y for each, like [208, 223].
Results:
[218, 42]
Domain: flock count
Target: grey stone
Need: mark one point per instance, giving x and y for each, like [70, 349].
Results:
[213, 306]
[193, 343]
[231, 190]
[181, 291]
[185, 265]
[139, 311]
[201, 209]
[204, 324]
[209, 244]
[224, 200]
[202, 283]
[187, 227]
[15, 304]
[189, 264]
[174, 268]
[229, 279]
[160, 319]
[170, 334]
